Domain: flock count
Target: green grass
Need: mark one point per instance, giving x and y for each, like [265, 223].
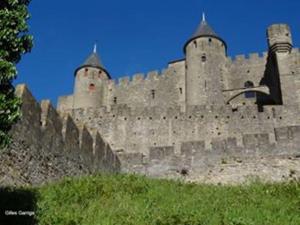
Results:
[128, 199]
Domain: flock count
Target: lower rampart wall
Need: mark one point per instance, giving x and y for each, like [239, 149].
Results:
[226, 161]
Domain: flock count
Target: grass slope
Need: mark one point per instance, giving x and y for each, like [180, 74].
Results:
[128, 199]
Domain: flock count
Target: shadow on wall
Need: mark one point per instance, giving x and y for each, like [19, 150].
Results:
[17, 207]
[271, 79]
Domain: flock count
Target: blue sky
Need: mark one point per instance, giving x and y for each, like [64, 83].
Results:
[138, 36]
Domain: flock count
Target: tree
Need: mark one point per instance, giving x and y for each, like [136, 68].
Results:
[14, 42]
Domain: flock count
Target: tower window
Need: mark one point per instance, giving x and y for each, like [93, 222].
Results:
[86, 71]
[100, 74]
[92, 87]
[153, 94]
[115, 100]
[180, 91]
[195, 44]
[203, 58]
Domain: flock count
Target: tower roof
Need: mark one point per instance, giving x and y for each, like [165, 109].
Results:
[93, 61]
[204, 30]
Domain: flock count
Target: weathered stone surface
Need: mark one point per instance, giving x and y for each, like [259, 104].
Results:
[46, 147]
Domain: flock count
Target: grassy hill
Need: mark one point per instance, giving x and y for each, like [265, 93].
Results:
[128, 199]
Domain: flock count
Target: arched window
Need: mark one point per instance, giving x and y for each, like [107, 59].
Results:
[203, 58]
[249, 94]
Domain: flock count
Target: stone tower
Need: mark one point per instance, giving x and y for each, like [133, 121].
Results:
[205, 61]
[90, 78]
[280, 46]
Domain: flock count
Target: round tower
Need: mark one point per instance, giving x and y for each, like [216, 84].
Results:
[279, 38]
[205, 61]
[90, 79]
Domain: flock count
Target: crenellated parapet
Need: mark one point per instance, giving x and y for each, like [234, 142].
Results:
[47, 136]
[256, 150]
[251, 58]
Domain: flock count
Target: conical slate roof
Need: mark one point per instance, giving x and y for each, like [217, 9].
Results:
[93, 61]
[204, 30]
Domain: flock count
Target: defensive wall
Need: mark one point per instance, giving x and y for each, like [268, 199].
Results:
[47, 147]
[137, 129]
[226, 161]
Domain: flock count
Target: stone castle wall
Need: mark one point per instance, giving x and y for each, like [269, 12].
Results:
[47, 147]
[244, 68]
[226, 161]
[168, 89]
[137, 129]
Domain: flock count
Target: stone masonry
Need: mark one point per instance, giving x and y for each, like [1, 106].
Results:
[200, 111]
[205, 118]
[47, 147]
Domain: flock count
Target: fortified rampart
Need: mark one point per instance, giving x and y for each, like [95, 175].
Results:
[226, 161]
[137, 129]
[205, 143]
[47, 147]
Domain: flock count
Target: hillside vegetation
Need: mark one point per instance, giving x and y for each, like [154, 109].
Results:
[129, 199]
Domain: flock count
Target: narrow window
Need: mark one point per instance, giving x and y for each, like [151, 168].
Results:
[195, 44]
[153, 94]
[180, 91]
[203, 58]
[86, 72]
[115, 100]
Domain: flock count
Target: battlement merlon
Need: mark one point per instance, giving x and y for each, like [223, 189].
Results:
[65, 103]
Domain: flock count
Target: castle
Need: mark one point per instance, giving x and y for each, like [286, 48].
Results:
[207, 98]
[207, 117]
